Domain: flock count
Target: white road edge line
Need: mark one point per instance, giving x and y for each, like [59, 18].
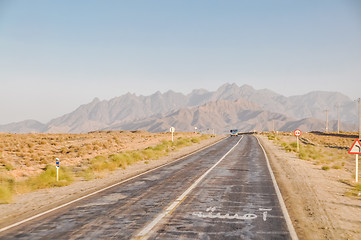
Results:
[101, 190]
[177, 202]
[290, 227]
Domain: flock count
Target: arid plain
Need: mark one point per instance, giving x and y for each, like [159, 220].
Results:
[317, 183]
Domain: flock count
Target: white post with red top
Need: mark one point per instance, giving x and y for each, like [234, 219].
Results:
[297, 133]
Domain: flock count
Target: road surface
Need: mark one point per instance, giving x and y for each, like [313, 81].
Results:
[222, 192]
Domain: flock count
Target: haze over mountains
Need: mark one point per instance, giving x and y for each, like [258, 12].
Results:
[230, 106]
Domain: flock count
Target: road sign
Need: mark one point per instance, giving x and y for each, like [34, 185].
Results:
[172, 130]
[57, 169]
[356, 148]
[297, 132]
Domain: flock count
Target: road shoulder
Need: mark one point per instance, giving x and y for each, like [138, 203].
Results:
[315, 199]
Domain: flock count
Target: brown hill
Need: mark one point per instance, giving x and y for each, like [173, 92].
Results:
[221, 116]
[130, 108]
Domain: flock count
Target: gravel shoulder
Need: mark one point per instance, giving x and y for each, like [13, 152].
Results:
[30, 204]
[315, 199]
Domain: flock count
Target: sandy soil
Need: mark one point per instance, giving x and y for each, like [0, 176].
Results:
[30, 204]
[315, 199]
[28, 154]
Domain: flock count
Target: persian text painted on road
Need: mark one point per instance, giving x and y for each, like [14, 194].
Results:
[248, 216]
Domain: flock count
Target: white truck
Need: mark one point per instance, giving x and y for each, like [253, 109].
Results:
[234, 132]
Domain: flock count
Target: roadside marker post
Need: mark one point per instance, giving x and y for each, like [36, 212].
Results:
[57, 169]
[172, 129]
[356, 149]
[297, 133]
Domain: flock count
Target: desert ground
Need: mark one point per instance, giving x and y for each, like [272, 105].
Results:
[25, 157]
[317, 183]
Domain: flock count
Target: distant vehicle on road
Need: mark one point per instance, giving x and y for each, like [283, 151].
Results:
[234, 132]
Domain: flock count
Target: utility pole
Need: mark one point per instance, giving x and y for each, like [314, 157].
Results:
[274, 129]
[338, 118]
[326, 120]
[359, 118]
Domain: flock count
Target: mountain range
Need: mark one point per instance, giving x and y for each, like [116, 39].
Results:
[230, 106]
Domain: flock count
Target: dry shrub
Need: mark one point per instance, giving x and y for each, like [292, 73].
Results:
[37, 150]
[325, 168]
[48, 178]
[6, 188]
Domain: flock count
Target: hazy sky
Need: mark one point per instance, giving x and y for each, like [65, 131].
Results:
[56, 55]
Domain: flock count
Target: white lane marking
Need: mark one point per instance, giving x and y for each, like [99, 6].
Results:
[290, 227]
[178, 201]
[103, 189]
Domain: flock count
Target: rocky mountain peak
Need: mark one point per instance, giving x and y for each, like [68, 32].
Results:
[229, 101]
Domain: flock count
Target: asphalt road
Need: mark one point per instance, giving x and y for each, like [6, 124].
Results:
[222, 192]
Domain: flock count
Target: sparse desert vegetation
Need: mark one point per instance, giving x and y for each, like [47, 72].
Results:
[326, 150]
[318, 182]
[27, 161]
